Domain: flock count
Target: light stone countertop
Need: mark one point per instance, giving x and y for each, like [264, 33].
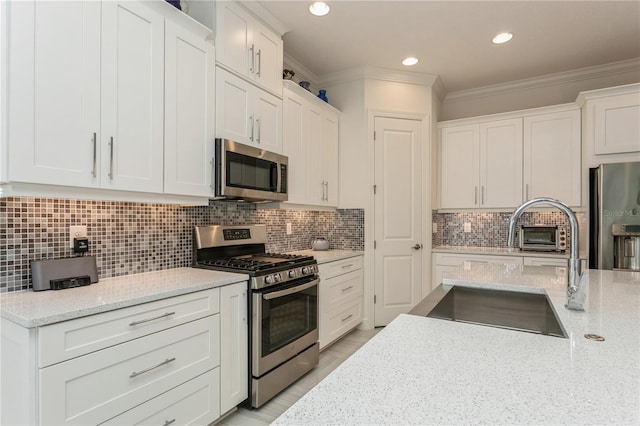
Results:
[421, 370]
[324, 256]
[36, 308]
[502, 251]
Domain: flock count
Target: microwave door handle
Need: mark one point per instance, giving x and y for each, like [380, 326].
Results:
[281, 293]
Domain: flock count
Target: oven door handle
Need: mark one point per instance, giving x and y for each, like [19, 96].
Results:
[276, 294]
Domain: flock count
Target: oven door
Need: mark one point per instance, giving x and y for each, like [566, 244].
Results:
[284, 323]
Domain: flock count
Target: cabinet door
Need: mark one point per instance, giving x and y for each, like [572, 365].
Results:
[234, 116]
[268, 58]
[501, 163]
[189, 113]
[313, 145]
[459, 152]
[132, 97]
[54, 92]
[552, 156]
[617, 124]
[293, 144]
[268, 121]
[330, 159]
[234, 37]
[234, 355]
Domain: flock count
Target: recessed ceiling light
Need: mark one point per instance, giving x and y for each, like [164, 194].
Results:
[319, 8]
[410, 61]
[502, 38]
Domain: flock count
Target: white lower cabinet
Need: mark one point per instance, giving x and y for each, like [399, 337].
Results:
[544, 261]
[341, 303]
[181, 360]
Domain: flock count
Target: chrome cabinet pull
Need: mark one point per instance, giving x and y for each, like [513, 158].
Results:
[347, 317]
[482, 195]
[326, 184]
[259, 55]
[146, 370]
[168, 314]
[251, 125]
[111, 158]
[258, 132]
[253, 59]
[349, 265]
[347, 288]
[93, 172]
[475, 190]
[168, 422]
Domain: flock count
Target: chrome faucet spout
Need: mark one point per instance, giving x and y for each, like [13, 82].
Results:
[575, 301]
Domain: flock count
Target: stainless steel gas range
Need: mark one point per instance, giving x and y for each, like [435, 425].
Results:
[283, 307]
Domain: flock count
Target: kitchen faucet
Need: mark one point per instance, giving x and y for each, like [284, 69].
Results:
[575, 294]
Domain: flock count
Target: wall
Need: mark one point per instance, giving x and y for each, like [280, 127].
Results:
[491, 229]
[129, 238]
[537, 92]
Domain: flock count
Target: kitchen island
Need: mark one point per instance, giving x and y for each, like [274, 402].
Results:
[421, 370]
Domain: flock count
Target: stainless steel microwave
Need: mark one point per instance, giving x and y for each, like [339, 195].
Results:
[543, 238]
[247, 173]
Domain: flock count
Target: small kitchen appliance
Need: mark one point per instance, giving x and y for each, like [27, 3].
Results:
[320, 244]
[247, 173]
[614, 200]
[283, 304]
[543, 238]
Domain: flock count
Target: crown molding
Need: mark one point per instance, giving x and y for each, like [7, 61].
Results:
[375, 73]
[302, 72]
[630, 65]
[258, 10]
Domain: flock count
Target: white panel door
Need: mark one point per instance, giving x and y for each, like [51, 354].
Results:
[268, 121]
[459, 174]
[398, 217]
[54, 92]
[501, 163]
[330, 159]
[234, 116]
[189, 113]
[234, 340]
[268, 58]
[234, 37]
[552, 156]
[293, 144]
[313, 121]
[617, 124]
[132, 97]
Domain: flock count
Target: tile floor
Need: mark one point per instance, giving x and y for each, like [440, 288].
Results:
[330, 358]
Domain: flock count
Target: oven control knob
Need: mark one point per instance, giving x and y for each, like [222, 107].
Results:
[268, 279]
[306, 270]
[277, 277]
[292, 274]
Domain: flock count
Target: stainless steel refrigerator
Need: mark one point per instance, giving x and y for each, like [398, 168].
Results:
[614, 200]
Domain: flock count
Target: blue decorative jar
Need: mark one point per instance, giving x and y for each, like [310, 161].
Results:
[322, 94]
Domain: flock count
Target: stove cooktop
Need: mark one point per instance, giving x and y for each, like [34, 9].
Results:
[257, 263]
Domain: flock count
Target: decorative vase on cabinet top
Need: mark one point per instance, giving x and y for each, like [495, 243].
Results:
[322, 94]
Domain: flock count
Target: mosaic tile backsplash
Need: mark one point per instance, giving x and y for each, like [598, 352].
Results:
[489, 229]
[129, 238]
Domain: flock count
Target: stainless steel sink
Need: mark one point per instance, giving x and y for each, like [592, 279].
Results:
[529, 312]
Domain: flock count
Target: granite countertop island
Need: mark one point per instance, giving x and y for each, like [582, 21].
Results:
[34, 309]
[421, 370]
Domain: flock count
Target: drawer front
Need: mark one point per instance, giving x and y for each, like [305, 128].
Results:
[339, 267]
[193, 403]
[338, 290]
[69, 339]
[96, 387]
[545, 261]
[339, 321]
[459, 259]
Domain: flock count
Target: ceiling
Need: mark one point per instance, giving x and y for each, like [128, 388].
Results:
[452, 39]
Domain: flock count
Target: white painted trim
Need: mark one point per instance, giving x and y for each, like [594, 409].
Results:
[373, 73]
[560, 78]
[509, 115]
[265, 16]
[609, 91]
[302, 72]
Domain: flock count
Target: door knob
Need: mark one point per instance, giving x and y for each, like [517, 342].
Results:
[417, 247]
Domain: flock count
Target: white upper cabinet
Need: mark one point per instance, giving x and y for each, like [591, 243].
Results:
[132, 97]
[54, 93]
[95, 87]
[481, 165]
[611, 124]
[310, 140]
[189, 113]
[552, 156]
[247, 47]
[488, 162]
[247, 114]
